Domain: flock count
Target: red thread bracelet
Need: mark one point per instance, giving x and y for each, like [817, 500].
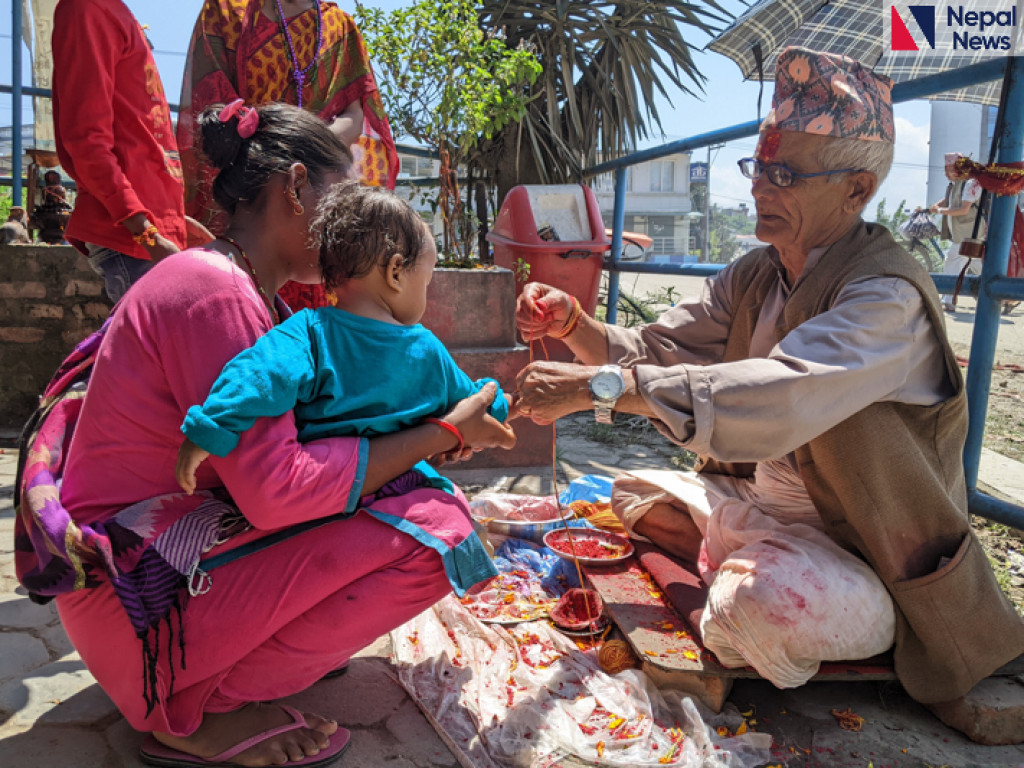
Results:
[570, 324]
[449, 427]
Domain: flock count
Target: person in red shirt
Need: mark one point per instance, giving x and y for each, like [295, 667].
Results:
[116, 140]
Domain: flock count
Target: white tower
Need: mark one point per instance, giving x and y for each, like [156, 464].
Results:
[956, 126]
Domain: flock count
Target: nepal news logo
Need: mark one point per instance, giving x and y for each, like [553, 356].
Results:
[963, 28]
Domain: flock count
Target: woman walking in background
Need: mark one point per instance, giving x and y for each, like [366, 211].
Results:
[306, 53]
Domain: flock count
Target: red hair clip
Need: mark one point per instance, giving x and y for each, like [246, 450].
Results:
[248, 117]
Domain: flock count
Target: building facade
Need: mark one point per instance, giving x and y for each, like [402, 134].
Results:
[658, 204]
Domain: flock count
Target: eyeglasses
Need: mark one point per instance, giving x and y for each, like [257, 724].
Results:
[780, 175]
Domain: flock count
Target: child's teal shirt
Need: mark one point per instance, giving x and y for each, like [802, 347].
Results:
[342, 374]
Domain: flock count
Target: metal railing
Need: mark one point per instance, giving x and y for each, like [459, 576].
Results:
[16, 91]
[989, 288]
[669, 245]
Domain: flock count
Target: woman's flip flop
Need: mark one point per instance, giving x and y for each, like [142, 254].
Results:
[152, 752]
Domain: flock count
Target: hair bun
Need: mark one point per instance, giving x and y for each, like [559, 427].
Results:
[285, 135]
[220, 141]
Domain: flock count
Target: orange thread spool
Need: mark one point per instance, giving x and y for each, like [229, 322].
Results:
[615, 656]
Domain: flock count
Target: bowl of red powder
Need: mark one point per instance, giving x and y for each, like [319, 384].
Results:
[579, 610]
[591, 546]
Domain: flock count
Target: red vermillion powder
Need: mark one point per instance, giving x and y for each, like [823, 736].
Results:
[585, 547]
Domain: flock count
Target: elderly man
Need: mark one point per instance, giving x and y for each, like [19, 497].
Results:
[814, 378]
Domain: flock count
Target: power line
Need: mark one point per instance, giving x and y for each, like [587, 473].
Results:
[734, 199]
[182, 54]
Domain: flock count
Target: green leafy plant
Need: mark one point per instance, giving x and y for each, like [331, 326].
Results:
[447, 83]
[1002, 572]
[605, 63]
[521, 268]
[6, 202]
[725, 226]
[603, 433]
[667, 295]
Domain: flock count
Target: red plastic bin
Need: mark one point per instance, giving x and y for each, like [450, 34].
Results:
[571, 263]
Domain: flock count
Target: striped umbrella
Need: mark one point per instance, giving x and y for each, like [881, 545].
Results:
[852, 28]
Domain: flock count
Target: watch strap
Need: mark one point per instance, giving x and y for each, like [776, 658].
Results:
[603, 413]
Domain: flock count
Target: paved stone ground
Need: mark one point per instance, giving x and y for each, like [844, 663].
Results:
[53, 714]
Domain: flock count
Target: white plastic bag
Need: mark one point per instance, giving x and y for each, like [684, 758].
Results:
[516, 507]
[526, 696]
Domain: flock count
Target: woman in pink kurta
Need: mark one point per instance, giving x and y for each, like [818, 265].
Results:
[273, 622]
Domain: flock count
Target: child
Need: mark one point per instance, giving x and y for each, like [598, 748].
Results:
[363, 367]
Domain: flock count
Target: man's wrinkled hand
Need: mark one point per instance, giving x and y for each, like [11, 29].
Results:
[542, 310]
[547, 391]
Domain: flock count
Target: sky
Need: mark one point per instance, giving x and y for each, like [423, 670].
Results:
[727, 100]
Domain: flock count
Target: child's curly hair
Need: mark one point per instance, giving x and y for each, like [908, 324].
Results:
[359, 228]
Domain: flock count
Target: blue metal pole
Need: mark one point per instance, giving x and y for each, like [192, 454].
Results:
[28, 90]
[618, 224]
[692, 270]
[739, 131]
[997, 255]
[996, 510]
[972, 74]
[998, 287]
[950, 80]
[946, 284]
[16, 150]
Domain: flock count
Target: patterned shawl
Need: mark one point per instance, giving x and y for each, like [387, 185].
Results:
[149, 552]
[236, 51]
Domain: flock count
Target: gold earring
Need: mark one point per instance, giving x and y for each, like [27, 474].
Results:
[296, 205]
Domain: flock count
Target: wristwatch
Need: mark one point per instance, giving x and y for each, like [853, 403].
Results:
[606, 387]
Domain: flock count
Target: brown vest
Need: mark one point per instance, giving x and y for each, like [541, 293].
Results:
[889, 483]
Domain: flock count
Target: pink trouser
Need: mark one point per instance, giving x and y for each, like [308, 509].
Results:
[271, 625]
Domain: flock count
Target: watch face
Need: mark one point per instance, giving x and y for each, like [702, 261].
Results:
[606, 385]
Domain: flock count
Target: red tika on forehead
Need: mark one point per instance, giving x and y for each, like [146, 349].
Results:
[768, 146]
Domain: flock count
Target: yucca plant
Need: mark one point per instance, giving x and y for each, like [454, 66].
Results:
[603, 64]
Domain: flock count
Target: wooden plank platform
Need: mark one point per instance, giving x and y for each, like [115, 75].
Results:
[669, 653]
[656, 601]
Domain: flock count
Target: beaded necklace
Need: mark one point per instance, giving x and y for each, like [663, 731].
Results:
[255, 280]
[299, 74]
